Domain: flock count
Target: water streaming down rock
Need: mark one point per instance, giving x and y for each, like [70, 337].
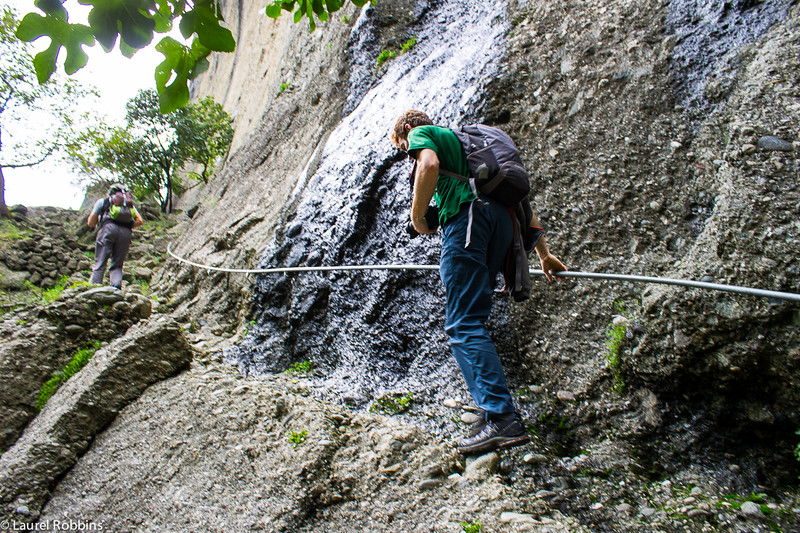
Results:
[709, 36]
[373, 331]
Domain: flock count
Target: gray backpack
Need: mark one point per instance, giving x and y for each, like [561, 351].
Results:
[495, 166]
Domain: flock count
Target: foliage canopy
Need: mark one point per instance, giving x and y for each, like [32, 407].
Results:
[133, 23]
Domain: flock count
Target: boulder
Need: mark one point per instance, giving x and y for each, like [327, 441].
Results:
[12, 279]
[115, 376]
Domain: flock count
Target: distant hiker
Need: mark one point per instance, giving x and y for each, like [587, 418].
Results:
[117, 217]
[477, 236]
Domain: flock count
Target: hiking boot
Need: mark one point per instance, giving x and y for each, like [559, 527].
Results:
[477, 426]
[495, 435]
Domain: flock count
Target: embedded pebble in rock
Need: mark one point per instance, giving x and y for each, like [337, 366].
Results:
[773, 144]
[565, 396]
[482, 466]
[748, 149]
[469, 418]
[450, 403]
[427, 484]
[534, 458]
[751, 509]
[624, 508]
[516, 518]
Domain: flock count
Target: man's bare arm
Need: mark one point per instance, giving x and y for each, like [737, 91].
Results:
[425, 181]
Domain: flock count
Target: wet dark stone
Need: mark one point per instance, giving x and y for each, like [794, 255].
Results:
[294, 230]
[772, 144]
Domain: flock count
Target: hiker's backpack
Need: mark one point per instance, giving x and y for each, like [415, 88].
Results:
[496, 170]
[120, 206]
[495, 166]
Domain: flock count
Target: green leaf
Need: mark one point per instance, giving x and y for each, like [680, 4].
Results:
[274, 10]
[127, 51]
[300, 12]
[203, 21]
[319, 9]
[173, 96]
[61, 33]
[200, 66]
[45, 63]
[52, 7]
[130, 19]
[333, 5]
[179, 66]
[163, 15]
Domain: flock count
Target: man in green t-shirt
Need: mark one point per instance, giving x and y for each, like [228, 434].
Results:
[475, 242]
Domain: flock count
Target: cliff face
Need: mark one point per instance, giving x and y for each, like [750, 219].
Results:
[661, 139]
[641, 126]
[646, 131]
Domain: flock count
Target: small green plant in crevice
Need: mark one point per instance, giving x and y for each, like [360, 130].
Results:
[10, 232]
[297, 437]
[392, 406]
[143, 284]
[302, 367]
[473, 526]
[615, 335]
[77, 362]
[247, 329]
[736, 501]
[283, 88]
[408, 45]
[386, 55]
[83, 285]
[797, 450]
[50, 295]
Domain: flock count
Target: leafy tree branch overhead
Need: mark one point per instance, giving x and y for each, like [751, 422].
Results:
[133, 24]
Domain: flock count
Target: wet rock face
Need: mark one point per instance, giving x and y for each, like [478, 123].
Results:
[627, 178]
[372, 330]
[708, 39]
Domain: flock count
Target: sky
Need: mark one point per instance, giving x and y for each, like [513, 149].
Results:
[117, 79]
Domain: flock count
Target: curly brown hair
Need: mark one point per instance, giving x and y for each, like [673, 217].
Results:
[412, 118]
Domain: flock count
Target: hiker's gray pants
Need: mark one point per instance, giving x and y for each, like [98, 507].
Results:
[112, 243]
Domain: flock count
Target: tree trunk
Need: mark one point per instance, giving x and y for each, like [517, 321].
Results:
[168, 200]
[3, 207]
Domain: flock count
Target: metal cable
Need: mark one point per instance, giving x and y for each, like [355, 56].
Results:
[586, 275]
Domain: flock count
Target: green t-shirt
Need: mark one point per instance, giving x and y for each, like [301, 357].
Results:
[450, 192]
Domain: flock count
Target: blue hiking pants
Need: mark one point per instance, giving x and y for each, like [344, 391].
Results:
[112, 243]
[469, 274]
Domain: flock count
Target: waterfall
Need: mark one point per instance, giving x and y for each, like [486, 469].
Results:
[373, 332]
